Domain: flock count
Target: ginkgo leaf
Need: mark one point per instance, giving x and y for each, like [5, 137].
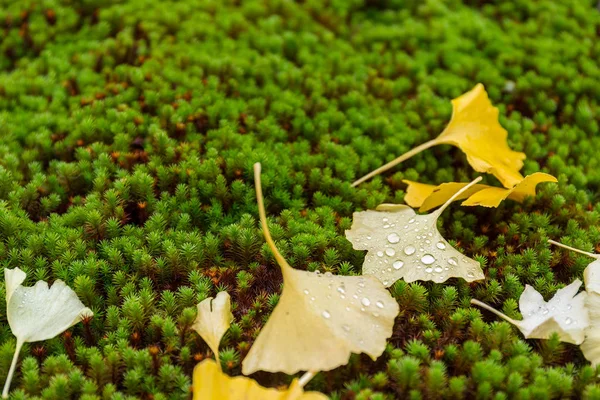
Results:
[213, 319]
[320, 319]
[591, 276]
[38, 312]
[402, 244]
[427, 197]
[565, 314]
[473, 128]
[210, 383]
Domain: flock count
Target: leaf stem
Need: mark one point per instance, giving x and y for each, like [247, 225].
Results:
[11, 371]
[564, 246]
[493, 310]
[396, 161]
[263, 222]
[304, 379]
[455, 195]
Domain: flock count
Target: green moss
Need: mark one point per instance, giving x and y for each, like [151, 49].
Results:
[127, 135]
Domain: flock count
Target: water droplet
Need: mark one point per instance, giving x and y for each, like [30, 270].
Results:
[346, 328]
[347, 308]
[341, 290]
[380, 254]
[312, 299]
[390, 252]
[385, 220]
[438, 268]
[362, 309]
[428, 259]
[305, 291]
[408, 250]
[361, 284]
[453, 261]
[568, 321]
[429, 270]
[569, 306]
[369, 237]
[326, 314]
[411, 221]
[365, 302]
[544, 311]
[354, 296]
[385, 282]
[398, 264]
[342, 296]
[470, 274]
[379, 304]
[393, 238]
[386, 226]
[440, 245]
[376, 315]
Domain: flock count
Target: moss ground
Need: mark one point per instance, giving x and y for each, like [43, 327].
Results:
[127, 134]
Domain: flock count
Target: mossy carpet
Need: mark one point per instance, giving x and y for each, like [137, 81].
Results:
[128, 131]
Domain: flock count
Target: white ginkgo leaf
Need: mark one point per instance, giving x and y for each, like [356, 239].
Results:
[564, 314]
[591, 276]
[402, 244]
[213, 319]
[38, 312]
[320, 319]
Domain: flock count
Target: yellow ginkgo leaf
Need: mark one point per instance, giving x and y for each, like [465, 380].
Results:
[427, 197]
[210, 383]
[591, 276]
[402, 244]
[564, 314]
[213, 319]
[39, 312]
[473, 128]
[320, 319]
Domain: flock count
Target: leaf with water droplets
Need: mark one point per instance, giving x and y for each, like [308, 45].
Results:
[474, 128]
[428, 197]
[213, 319]
[39, 312]
[402, 244]
[591, 276]
[564, 314]
[320, 319]
[210, 383]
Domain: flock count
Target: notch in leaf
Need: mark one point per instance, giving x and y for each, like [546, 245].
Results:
[320, 318]
[591, 276]
[564, 314]
[210, 383]
[402, 244]
[473, 128]
[39, 312]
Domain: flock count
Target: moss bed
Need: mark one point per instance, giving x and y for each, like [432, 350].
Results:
[128, 130]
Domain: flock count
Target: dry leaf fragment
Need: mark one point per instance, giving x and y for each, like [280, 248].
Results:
[320, 318]
[591, 276]
[427, 197]
[210, 383]
[213, 319]
[473, 128]
[39, 312]
[402, 244]
[564, 314]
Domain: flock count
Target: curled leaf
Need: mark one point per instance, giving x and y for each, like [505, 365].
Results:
[564, 314]
[473, 128]
[427, 197]
[210, 383]
[38, 312]
[213, 319]
[402, 244]
[320, 319]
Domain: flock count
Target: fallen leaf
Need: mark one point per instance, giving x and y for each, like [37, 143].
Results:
[427, 197]
[402, 244]
[38, 313]
[213, 319]
[210, 383]
[565, 314]
[473, 128]
[591, 276]
[320, 319]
